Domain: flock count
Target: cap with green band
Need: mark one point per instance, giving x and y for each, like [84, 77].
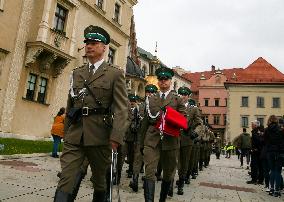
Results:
[184, 91]
[151, 88]
[164, 72]
[95, 33]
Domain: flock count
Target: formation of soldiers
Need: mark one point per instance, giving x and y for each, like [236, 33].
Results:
[194, 147]
[163, 134]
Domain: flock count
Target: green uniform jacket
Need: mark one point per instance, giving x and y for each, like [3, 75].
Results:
[129, 136]
[152, 135]
[194, 119]
[108, 85]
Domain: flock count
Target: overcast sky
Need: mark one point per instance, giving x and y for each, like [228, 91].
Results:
[196, 34]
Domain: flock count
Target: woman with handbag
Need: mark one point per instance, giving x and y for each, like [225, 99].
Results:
[57, 131]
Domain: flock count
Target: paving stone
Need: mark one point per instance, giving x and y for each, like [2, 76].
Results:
[34, 178]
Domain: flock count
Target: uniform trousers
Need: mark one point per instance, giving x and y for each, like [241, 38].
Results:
[72, 159]
[183, 161]
[191, 159]
[168, 162]
[138, 159]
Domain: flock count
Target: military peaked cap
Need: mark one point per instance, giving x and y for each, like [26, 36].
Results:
[184, 91]
[95, 33]
[132, 97]
[164, 72]
[151, 88]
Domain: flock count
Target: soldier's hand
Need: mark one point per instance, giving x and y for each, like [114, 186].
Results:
[114, 145]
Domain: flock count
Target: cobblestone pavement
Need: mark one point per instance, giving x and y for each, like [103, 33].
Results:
[32, 178]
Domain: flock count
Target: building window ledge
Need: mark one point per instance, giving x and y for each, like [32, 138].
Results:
[116, 23]
[100, 10]
[45, 104]
[48, 56]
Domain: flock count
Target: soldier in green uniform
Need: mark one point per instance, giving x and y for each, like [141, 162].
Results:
[186, 142]
[128, 139]
[196, 127]
[210, 142]
[218, 145]
[96, 117]
[156, 144]
[150, 90]
[131, 133]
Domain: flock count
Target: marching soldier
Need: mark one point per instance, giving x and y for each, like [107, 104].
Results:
[196, 128]
[96, 115]
[150, 90]
[156, 144]
[218, 145]
[127, 147]
[186, 142]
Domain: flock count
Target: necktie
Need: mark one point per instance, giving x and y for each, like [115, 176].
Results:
[92, 69]
[163, 96]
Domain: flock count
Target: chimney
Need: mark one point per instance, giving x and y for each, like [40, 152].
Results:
[212, 68]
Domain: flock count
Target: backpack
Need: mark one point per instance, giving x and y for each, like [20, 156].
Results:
[245, 141]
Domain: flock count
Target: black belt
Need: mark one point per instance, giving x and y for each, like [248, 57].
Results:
[86, 111]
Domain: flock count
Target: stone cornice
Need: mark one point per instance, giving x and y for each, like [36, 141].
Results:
[98, 12]
[4, 51]
[133, 2]
[50, 48]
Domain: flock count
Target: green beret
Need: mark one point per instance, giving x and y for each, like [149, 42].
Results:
[95, 33]
[132, 97]
[151, 88]
[184, 91]
[164, 72]
[191, 102]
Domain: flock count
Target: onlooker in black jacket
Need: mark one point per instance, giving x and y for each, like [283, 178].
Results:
[274, 139]
[256, 147]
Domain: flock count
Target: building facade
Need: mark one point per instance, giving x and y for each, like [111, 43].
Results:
[149, 63]
[254, 94]
[213, 101]
[41, 42]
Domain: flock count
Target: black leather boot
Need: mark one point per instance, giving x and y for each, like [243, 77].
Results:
[165, 186]
[61, 196]
[80, 176]
[99, 196]
[187, 178]
[171, 189]
[180, 186]
[149, 190]
[134, 183]
[108, 181]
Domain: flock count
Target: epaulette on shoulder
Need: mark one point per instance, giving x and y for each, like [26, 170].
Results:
[175, 94]
[78, 67]
[114, 66]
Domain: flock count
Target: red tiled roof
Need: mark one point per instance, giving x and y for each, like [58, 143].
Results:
[260, 71]
[195, 77]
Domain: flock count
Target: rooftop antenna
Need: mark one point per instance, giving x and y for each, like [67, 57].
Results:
[156, 48]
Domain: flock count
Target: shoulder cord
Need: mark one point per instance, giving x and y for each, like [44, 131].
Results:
[163, 115]
[148, 110]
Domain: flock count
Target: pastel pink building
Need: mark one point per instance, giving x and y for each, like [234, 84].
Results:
[213, 100]
[210, 93]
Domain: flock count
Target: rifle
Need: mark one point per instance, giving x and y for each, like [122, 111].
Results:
[113, 174]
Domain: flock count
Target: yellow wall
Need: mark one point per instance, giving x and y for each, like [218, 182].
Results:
[28, 118]
[235, 111]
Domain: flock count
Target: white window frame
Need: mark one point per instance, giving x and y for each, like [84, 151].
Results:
[120, 12]
[37, 87]
[115, 54]
[2, 5]
[242, 121]
[279, 106]
[103, 7]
